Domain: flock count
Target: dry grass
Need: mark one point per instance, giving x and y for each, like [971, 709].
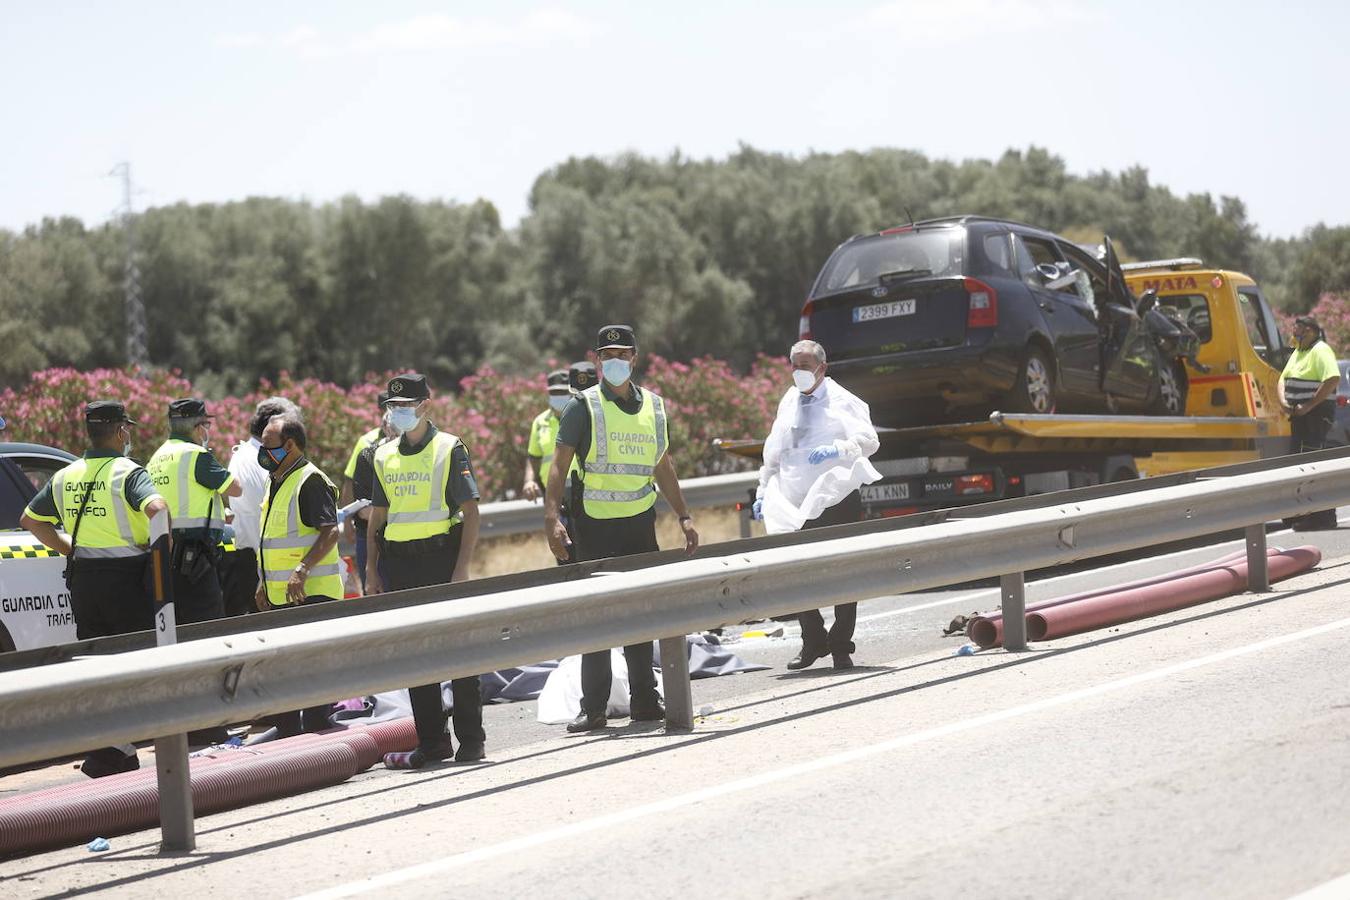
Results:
[522, 552]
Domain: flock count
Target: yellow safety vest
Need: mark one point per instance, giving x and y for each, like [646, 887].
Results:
[109, 528]
[369, 439]
[173, 470]
[622, 458]
[415, 488]
[544, 432]
[286, 539]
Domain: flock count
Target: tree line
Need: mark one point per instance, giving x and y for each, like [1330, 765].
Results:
[704, 256]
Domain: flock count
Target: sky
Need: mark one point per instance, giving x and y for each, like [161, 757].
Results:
[212, 102]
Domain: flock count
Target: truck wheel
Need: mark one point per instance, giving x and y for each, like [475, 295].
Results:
[1034, 391]
[1171, 393]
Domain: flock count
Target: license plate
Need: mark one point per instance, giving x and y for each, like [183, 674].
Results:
[880, 493]
[887, 310]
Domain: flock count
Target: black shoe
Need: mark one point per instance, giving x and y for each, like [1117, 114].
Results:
[470, 752]
[842, 661]
[805, 658]
[588, 722]
[654, 713]
[109, 761]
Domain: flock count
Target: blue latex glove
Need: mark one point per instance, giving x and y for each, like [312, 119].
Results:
[757, 510]
[822, 453]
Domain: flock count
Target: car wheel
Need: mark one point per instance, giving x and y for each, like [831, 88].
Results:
[6, 642]
[1171, 393]
[1034, 391]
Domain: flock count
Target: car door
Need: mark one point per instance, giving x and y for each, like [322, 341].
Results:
[1072, 322]
[1129, 359]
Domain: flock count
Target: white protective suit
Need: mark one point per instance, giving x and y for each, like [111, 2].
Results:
[792, 490]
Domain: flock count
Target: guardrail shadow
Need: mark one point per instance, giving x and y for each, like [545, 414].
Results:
[635, 731]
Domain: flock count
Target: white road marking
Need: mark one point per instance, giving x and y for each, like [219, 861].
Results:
[1336, 889]
[693, 798]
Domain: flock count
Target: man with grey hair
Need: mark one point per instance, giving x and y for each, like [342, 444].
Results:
[815, 461]
[239, 575]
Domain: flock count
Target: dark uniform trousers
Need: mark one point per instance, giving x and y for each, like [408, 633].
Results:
[239, 581]
[1308, 433]
[197, 596]
[405, 566]
[839, 639]
[605, 539]
[311, 718]
[109, 596]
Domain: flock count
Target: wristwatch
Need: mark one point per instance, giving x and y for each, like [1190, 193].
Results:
[302, 568]
[686, 518]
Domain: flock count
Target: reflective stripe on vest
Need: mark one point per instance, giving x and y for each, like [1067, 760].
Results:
[286, 539]
[109, 528]
[546, 427]
[173, 468]
[415, 488]
[613, 489]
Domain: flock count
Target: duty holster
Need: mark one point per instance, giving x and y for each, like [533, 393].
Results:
[193, 559]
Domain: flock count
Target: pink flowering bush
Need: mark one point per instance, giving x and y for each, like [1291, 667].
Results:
[491, 412]
[1332, 312]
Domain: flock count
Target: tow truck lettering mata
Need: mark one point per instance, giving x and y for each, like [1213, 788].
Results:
[1180, 283]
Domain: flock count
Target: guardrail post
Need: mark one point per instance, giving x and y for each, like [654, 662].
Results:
[1258, 570]
[1014, 606]
[744, 516]
[675, 680]
[172, 769]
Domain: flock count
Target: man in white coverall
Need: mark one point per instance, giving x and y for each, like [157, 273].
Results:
[815, 459]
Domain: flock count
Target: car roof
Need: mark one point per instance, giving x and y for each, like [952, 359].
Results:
[19, 448]
[951, 222]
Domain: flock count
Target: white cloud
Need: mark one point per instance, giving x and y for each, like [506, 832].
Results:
[928, 21]
[436, 31]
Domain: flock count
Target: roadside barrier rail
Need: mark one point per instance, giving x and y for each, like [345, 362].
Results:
[105, 700]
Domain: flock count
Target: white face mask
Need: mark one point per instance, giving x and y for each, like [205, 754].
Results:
[803, 379]
[404, 418]
[616, 371]
[558, 402]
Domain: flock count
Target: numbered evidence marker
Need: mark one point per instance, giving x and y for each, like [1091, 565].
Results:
[177, 831]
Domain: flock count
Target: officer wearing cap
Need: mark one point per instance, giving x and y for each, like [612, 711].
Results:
[189, 477]
[617, 431]
[355, 528]
[543, 433]
[104, 502]
[363, 484]
[1307, 389]
[425, 506]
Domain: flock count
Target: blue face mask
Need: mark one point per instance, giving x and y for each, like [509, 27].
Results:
[558, 403]
[616, 370]
[270, 457]
[404, 418]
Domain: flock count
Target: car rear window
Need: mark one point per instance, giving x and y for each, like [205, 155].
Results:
[864, 261]
[1193, 309]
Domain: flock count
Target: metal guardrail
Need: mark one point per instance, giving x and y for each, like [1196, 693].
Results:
[197, 684]
[521, 516]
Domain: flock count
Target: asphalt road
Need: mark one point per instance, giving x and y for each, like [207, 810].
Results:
[1198, 754]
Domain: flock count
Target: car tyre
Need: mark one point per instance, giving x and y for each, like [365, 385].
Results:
[1034, 391]
[1171, 400]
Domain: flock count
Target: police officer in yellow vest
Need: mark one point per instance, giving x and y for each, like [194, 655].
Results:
[619, 433]
[425, 503]
[543, 434]
[189, 477]
[104, 502]
[298, 558]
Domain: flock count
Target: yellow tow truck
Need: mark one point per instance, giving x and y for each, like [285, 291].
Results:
[1232, 413]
